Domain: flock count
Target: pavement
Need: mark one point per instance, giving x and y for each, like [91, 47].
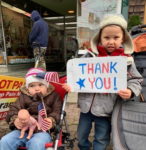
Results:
[71, 108]
[20, 69]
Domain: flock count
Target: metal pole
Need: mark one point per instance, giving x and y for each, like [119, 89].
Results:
[65, 52]
[61, 122]
[3, 34]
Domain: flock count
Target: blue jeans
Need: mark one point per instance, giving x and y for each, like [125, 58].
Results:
[11, 141]
[101, 131]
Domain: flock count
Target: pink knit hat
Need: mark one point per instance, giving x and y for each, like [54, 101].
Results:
[31, 77]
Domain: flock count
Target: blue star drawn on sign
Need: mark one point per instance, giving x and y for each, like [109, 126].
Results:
[81, 82]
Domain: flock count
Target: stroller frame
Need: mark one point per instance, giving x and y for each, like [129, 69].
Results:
[62, 139]
[66, 136]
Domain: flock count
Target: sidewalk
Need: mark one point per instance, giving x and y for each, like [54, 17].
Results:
[15, 70]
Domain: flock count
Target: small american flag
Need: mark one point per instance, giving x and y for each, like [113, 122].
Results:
[52, 77]
[41, 115]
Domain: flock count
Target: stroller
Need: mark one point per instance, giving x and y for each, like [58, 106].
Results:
[61, 140]
[139, 39]
[129, 117]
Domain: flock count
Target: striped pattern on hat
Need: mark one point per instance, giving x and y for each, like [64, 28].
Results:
[34, 71]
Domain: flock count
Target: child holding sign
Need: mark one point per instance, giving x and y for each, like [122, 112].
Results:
[112, 39]
[38, 96]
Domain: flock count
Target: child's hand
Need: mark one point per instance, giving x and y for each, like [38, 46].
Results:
[50, 123]
[125, 94]
[66, 87]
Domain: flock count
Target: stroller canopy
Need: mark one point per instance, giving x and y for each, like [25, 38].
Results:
[140, 43]
[138, 34]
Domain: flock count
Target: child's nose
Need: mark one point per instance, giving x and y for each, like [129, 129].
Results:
[37, 88]
[111, 41]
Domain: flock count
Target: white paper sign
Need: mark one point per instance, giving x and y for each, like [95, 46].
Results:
[97, 75]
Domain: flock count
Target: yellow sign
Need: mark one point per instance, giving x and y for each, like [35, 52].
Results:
[9, 91]
[8, 83]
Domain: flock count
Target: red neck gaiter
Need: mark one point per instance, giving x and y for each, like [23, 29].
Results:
[118, 52]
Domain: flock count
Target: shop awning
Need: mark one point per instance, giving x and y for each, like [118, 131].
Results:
[47, 8]
[60, 6]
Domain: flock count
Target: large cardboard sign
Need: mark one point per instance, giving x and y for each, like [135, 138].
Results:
[97, 75]
[9, 91]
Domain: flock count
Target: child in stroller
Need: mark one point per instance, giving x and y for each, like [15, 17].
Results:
[63, 139]
[43, 103]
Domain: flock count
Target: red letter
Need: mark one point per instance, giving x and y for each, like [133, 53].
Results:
[90, 68]
[20, 84]
[15, 85]
[105, 83]
[3, 84]
[105, 68]
[91, 82]
[9, 82]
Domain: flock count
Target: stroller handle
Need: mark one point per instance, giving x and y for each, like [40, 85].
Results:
[138, 29]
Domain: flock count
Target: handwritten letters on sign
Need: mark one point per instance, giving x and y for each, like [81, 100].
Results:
[97, 75]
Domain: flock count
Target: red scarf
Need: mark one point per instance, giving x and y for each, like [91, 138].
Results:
[118, 52]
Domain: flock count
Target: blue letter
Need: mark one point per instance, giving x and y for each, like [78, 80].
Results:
[115, 84]
[83, 65]
[101, 82]
[97, 67]
[112, 67]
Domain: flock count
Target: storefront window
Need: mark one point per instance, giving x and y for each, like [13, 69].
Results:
[17, 28]
[3, 59]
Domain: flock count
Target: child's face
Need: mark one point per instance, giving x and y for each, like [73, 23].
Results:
[37, 87]
[111, 38]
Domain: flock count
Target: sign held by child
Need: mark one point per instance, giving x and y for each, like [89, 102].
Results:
[97, 75]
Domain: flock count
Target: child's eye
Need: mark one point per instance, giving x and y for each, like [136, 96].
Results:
[41, 84]
[106, 37]
[31, 85]
[116, 37]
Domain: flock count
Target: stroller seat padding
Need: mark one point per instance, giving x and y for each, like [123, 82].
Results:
[129, 125]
